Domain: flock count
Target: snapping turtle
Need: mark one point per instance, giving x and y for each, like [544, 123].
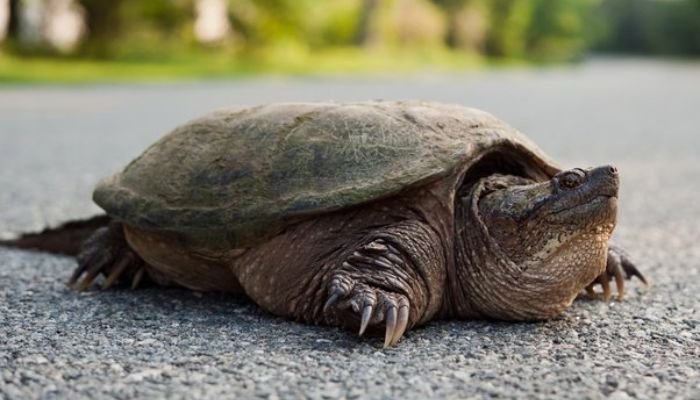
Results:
[376, 216]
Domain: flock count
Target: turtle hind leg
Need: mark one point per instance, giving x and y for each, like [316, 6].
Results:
[106, 252]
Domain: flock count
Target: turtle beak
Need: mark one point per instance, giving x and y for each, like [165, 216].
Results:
[605, 180]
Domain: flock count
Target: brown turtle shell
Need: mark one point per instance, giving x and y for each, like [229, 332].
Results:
[248, 171]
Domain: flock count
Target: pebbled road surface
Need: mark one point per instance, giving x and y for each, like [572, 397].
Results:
[644, 116]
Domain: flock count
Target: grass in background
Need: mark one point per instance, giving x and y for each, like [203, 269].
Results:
[195, 66]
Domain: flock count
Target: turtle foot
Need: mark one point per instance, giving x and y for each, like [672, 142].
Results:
[362, 289]
[373, 306]
[620, 268]
[106, 252]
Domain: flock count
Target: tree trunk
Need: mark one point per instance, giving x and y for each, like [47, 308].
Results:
[13, 21]
[4, 18]
[103, 25]
[364, 24]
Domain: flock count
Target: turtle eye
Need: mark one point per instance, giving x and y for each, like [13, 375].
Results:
[571, 179]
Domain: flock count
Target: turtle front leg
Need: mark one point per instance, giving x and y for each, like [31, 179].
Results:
[391, 281]
[107, 252]
[619, 267]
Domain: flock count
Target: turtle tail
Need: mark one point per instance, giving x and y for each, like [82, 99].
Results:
[64, 239]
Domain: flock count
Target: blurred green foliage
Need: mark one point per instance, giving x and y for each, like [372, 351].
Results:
[295, 32]
[651, 27]
[128, 28]
[542, 29]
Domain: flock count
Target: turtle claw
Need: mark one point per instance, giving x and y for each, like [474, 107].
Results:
[89, 256]
[374, 306]
[106, 252]
[92, 273]
[137, 278]
[390, 326]
[339, 288]
[366, 315]
[118, 270]
[402, 323]
[631, 270]
[76, 274]
[332, 299]
[620, 268]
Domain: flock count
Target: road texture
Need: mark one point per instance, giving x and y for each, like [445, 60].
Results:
[644, 116]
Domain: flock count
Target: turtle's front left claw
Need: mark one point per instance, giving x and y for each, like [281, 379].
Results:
[403, 320]
[366, 315]
[374, 305]
[390, 326]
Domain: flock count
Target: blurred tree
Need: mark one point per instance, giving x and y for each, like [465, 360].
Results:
[369, 8]
[127, 26]
[624, 26]
[265, 22]
[534, 29]
[651, 26]
[104, 24]
[333, 23]
[4, 18]
[153, 24]
[467, 24]
[402, 23]
[12, 27]
[510, 20]
[470, 25]
[558, 29]
[378, 26]
[46, 27]
[420, 23]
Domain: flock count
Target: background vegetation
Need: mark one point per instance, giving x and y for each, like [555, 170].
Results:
[150, 38]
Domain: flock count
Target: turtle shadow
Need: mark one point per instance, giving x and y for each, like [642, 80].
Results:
[128, 312]
[239, 318]
[235, 316]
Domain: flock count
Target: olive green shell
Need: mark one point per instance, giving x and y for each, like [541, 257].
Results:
[242, 172]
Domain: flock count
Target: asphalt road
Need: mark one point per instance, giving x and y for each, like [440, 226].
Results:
[643, 116]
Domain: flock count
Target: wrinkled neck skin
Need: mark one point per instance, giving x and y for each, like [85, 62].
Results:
[530, 269]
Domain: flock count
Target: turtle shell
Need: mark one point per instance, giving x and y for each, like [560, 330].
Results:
[244, 172]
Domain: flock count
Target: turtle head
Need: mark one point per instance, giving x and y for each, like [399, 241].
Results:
[543, 242]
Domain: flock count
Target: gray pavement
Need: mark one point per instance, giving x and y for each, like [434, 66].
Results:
[644, 116]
